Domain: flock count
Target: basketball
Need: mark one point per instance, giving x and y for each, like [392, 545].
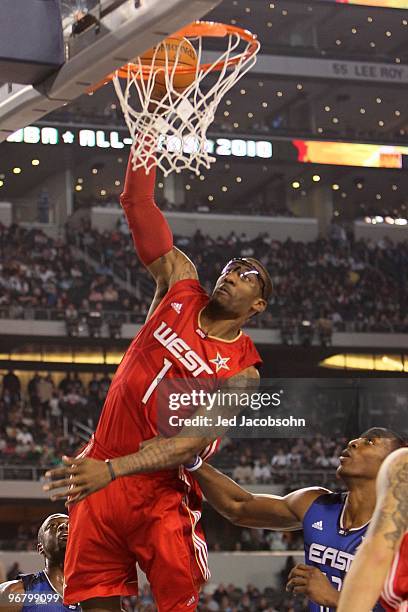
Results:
[178, 50]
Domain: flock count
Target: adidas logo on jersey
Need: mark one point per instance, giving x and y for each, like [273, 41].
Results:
[191, 601]
[176, 306]
[318, 525]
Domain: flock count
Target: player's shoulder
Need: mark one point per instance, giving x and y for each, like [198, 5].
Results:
[330, 498]
[188, 287]
[301, 500]
[11, 587]
[313, 493]
[246, 378]
[251, 372]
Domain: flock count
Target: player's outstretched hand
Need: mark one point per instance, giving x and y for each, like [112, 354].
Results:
[78, 478]
[310, 581]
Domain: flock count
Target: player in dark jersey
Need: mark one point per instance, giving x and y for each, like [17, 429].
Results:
[334, 524]
[154, 519]
[382, 561]
[42, 591]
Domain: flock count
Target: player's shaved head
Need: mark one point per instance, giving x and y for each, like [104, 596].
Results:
[382, 432]
[46, 522]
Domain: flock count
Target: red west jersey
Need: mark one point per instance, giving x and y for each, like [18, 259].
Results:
[170, 345]
[395, 592]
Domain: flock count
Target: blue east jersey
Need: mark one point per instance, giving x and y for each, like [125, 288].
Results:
[328, 545]
[40, 595]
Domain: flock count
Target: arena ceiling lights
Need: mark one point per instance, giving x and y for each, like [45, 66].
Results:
[47, 355]
[366, 362]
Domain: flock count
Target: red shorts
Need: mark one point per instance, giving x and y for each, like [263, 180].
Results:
[152, 520]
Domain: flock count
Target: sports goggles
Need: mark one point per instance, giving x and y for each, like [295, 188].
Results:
[246, 271]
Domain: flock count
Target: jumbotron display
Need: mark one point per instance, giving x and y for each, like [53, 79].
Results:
[350, 154]
[398, 4]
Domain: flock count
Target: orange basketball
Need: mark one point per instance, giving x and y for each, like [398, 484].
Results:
[177, 49]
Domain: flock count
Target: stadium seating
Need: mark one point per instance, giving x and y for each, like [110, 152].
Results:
[341, 285]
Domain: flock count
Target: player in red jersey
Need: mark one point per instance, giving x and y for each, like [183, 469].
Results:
[382, 560]
[153, 519]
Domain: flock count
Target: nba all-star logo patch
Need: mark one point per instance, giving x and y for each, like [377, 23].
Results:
[220, 362]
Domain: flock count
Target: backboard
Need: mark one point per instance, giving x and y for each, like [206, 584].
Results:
[100, 36]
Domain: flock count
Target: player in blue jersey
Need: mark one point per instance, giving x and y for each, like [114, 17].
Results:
[334, 524]
[42, 591]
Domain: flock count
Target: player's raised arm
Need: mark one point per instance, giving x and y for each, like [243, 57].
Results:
[152, 236]
[366, 578]
[249, 510]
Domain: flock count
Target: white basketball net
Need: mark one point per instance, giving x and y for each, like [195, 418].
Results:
[179, 121]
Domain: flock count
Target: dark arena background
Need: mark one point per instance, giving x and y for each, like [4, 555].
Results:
[310, 177]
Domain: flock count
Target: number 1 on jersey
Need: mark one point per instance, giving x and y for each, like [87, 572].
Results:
[166, 367]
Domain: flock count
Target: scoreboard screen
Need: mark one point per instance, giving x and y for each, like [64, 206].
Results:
[351, 154]
[398, 4]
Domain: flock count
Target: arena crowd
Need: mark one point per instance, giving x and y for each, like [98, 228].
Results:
[341, 284]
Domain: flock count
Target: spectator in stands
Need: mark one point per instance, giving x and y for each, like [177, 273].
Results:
[262, 470]
[13, 571]
[66, 382]
[93, 386]
[280, 459]
[351, 281]
[325, 329]
[243, 473]
[287, 330]
[306, 331]
[72, 320]
[11, 383]
[45, 389]
[95, 320]
[32, 385]
[55, 410]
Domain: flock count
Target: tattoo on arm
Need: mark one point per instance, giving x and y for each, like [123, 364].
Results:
[186, 270]
[149, 459]
[165, 453]
[392, 518]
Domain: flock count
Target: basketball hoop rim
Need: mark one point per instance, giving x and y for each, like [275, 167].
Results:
[209, 29]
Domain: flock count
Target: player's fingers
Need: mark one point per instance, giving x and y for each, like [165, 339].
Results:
[72, 460]
[57, 484]
[62, 472]
[292, 572]
[302, 571]
[74, 493]
[295, 582]
[61, 495]
[56, 473]
[70, 491]
[300, 589]
[296, 571]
